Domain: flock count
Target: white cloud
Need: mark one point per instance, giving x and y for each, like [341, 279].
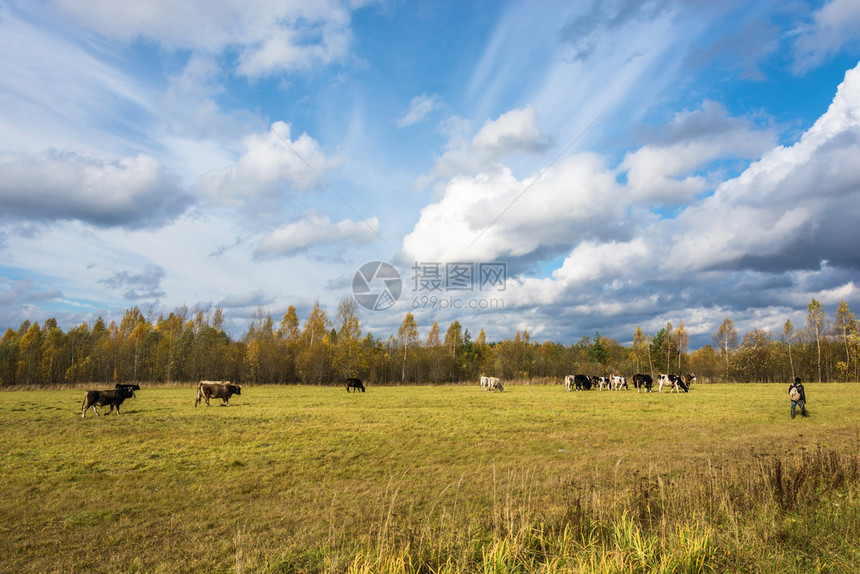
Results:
[271, 166]
[666, 172]
[419, 108]
[513, 132]
[834, 26]
[790, 206]
[64, 186]
[494, 214]
[269, 35]
[312, 230]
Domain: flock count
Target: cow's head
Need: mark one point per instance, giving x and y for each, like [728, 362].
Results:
[237, 390]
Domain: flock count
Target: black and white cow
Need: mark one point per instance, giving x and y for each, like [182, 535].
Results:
[618, 382]
[673, 381]
[642, 382]
[600, 382]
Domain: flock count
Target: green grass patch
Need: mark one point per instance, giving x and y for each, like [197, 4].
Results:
[432, 479]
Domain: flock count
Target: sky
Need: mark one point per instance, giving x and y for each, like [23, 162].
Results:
[564, 168]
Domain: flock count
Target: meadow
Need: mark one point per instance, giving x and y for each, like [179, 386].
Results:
[432, 479]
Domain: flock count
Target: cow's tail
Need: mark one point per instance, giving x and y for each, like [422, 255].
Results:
[199, 394]
[84, 406]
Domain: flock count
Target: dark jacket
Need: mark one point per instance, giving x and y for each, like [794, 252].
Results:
[799, 389]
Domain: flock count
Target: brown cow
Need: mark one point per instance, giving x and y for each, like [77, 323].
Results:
[217, 390]
[113, 397]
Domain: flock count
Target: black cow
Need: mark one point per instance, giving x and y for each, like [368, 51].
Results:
[353, 383]
[112, 397]
[641, 381]
[216, 390]
[132, 386]
[581, 382]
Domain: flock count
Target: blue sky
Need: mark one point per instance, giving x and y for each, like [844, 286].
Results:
[630, 163]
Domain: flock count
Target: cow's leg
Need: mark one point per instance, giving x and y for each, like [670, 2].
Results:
[95, 410]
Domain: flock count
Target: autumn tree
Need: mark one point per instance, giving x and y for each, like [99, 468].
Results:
[453, 344]
[682, 340]
[314, 360]
[726, 340]
[844, 325]
[407, 338]
[815, 320]
[348, 359]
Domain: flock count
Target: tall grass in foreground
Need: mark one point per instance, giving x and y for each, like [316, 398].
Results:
[767, 514]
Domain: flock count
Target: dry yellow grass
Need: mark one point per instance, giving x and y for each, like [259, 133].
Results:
[431, 479]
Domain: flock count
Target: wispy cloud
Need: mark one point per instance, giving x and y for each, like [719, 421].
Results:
[419, 108]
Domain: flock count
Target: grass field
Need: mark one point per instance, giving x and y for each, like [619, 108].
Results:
[433, 479]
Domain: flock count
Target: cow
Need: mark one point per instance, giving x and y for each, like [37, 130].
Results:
[217, 390]
[618, 382]
[581, 382]
[568, 382]
[688, 379]
[600, 382]
[673, 381]
[353, 383]
[641, 382]
[113, 397]
[485, 383]
[494, 384]
[132, 386]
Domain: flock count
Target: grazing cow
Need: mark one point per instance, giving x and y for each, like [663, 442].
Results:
[641, 381]
[216, 390]
[494, 384]
[688, 379]
[353, 383]
[113, 397]
[673, 381]
[485, 383]
[581, 382]
[568, 382]
[600, 382]
[618, 383]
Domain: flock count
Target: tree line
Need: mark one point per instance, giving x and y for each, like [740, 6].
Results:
[189, 346]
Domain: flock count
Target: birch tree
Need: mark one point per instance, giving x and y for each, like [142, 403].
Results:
[815, 327]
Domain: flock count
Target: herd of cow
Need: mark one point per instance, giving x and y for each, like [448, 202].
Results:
[642, 383]
[223, 390]
[113, 398]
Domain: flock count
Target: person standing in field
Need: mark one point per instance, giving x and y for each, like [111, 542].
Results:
[797, 396]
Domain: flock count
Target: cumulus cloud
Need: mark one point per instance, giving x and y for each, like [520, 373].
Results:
[493, 214]
[513, 132]
[269, 36]
[419, 108]
[134, 192]
[790, 209]
[315, 229]
[271, 166]
[668, 171]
